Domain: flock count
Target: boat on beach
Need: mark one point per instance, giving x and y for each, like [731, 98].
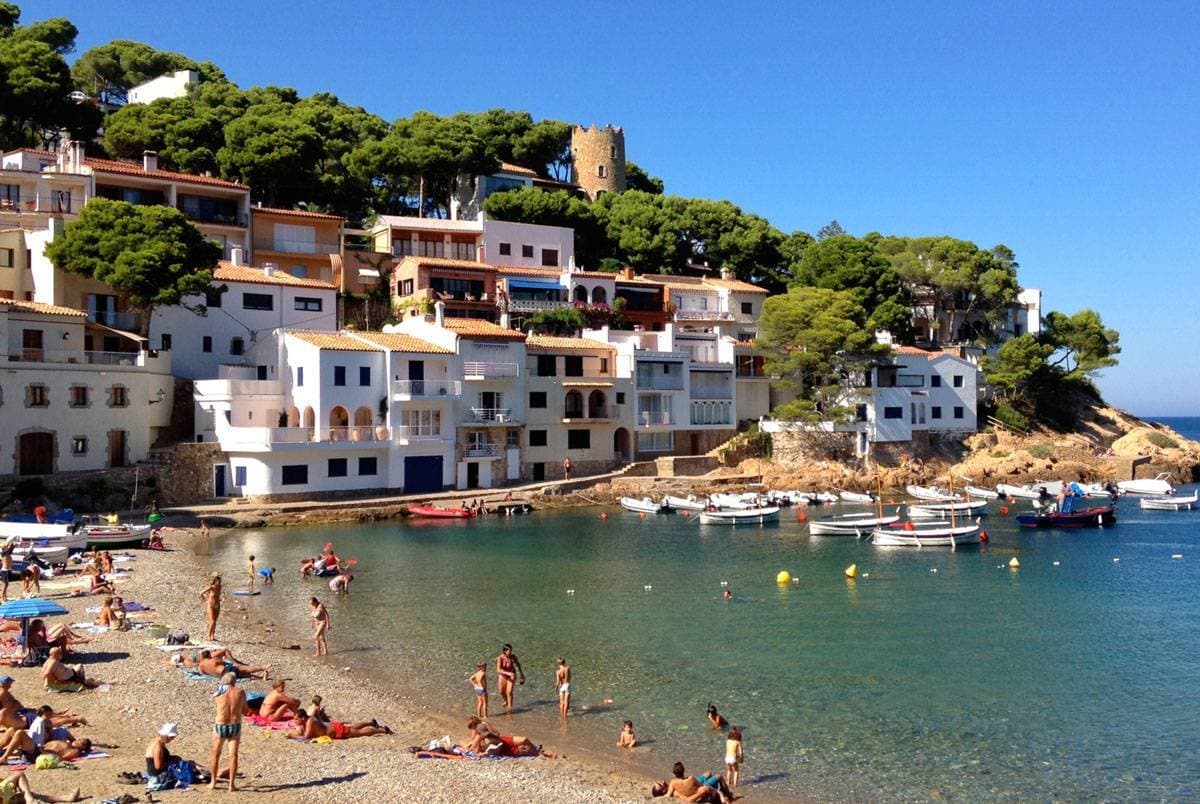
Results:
[931, 494]
[945, 510]
[741, 516]
[1160, 485]
[1097, 516]
[437, 512]
[51, 535]
[856, 497]
[981, 493]
[1168, 503]
[912, 535]
[49, 553]
[644, 506]
[688, 503]
[849, 524]
[99, 535]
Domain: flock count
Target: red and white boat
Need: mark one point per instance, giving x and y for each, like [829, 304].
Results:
[436, 512]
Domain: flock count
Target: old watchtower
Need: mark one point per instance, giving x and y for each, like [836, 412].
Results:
[598, 159]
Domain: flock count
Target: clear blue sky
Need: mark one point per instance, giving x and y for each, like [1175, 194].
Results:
[1068, 131]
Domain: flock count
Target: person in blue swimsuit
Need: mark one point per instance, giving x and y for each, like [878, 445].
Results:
[268, 575]
[479, 682]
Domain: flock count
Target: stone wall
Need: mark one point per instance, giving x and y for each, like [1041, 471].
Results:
[685, 466]
[185, 474]
[794, 447]
[594, 148]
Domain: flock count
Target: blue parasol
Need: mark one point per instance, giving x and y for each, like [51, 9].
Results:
[25, 608]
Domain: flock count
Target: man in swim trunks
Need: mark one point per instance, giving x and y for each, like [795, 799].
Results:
[227, 728]
[562, 682]
[696, 788]
[55, 673]
[507, 667]
[277, 705]
[479, 682]
[220, 661]
[310, 728]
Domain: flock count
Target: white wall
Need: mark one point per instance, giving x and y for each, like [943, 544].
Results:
[520, 234]
[171, 85]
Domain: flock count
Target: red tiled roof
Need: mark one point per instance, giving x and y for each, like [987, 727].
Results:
[521, 270]
[518, 170]
[298, 213]
[478, 329]
[401, 342]
[737, 285]
[45, 309]
[132, 169]
[228, 272]
[38, 151]
[912, 350]
[332, 341]
[442, 262]
[551, 343]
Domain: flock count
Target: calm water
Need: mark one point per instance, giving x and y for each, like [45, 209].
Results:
[973, 682]
[1186, 426]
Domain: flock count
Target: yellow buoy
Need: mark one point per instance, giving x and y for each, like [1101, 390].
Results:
[1013, 563]
[852, 571]
[783, 577]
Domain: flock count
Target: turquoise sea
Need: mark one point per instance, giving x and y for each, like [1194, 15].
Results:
[935, 674]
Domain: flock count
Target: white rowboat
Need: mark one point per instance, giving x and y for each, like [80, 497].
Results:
[642, 506]
[931, 494]
[925, 537]
[944, 510]
[115, 535]
[1020, 492]
[1160, 485]
[688, 503]
[750, 516]
[1169, 503]
[856, 497]
[980, 493]
[850, 525]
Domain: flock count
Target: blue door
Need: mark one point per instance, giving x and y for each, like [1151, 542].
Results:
[422, 474]
[219, 480]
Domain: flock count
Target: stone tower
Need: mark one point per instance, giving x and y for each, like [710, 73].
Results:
[598, 160]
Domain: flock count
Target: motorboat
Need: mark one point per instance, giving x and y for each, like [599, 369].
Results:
[945, 510]
[112, 534]
[1021, 492]
[61, 534]
[735, 501]
[856, 497]
[1168, 503]
[911, 535]
[1097, 516]
[513, 507]
[931, 494]
[437, 512]
[743, 516]
[981, 493]
[1105, 491]
[688, 503]
[1160, 485]
[823, 497]
[644, 506]
[849, 524]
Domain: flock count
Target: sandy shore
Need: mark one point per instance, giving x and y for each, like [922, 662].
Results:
[149, 691]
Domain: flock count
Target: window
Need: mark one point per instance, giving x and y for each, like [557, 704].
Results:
[579, 439]
[893, 413]
[656, 442]
[550, 257]
[537, 399]
[295, 475]
[236, 346]
[7, 257]
[958, 381]
[118, 397]
[527, 251]
[164, 342]
[339, 375]
[604, 365]
[79, 396]
[257, 301]
[506, 249]
[212, 299]
[37, 396]
[10, 196]
[299, 376]
[79, 445]
[463, 251]
[305, 303]
[573, 365]
[620, 397]
[612, 152]
[368, 466]
[935, 381]
[537, 438]
[747, 308]
[364, 375]
[239, 475]
[338, 467]
[406, 287]
[206, 343]
[545, 366]
[935, 412]
[958, 411]
[860, 413]
[513, 438]
[601, 171]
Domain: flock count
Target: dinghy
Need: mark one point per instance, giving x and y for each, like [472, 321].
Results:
[688, 503]
[945, 510]
[644, 506]
[856, 497]
[849, 524]
[912, 536]
[437, 512]
[931, 494]
[1168, 503]
[745, 516]
[1020, 492]
[981, 493]
[1160, 485]
[104, 536]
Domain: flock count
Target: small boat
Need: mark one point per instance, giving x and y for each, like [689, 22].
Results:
[735, 501]
[856, 497]
[849, 524]
[824, 497]
[644, 506]
[688, 503]
[437, 512]
[745, 516]
[911, 535]
[981, 493]
[49, 553]
[1160, 485]
[1168, 503]
[931, 494]
[1021, 492]
[109, 532]
[512, 508]
[70, 536]
[944, 510]
[1104, 491]
[1094, 517]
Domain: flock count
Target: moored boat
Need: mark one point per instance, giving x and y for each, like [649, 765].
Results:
[741, 516]
[1160, 485]
[945, 510]
[913, 536]
[849, 524]
[931, 494]
[437, 512]
[1168, 503]
[734, 501]
[114, 535]
[857, 497]
[1097, 516]
[1021, 492]
[644, 506]
[981, 493]
[688, 503]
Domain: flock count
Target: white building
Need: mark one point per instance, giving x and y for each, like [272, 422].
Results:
[170, 85]
[527, 245]
[256, 301]
[76, 395]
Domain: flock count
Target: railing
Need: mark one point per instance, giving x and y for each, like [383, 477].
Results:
[42, 203]
[365, 432]
[374, 434]
[112, 318]
[660, 382]
[702, 315]
[712, 411]
[288, 246]
[483, 451]
[423, 432]
[413, 389]
[473, 370]
[535, 305]
[649, 417]
[502, 415]
[78, 356]
[112, 358]
[213, 217]
[594, 412]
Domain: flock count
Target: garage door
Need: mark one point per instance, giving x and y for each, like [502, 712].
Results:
[423, 474]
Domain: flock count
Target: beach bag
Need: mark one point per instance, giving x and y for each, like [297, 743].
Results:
[46, 762]
[181, 772]
[177, 638]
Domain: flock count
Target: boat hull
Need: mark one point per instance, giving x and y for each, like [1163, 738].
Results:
[982, 494]
[946, 510]
[643, 506]
[1086, 518]
[115, 536]
[760, 516]
[685, 503]
[849, 527]
[433, 512]
[925, 537]
[1167, 503]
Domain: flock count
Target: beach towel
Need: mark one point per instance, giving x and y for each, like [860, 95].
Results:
[273, 725]
[61, 686]
[192, 674]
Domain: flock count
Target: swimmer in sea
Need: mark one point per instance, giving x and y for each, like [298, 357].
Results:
[728, 595]
[479, 682]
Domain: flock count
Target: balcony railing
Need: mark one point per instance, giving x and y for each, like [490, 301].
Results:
[483, 451]
[367, 434]
[218, 218]
[535, 305]
[418, 432]
[649, 417]
[473, 370]
[78, 356]
[660, 382]
[114, 319]
[287, 246]
[594, 412]
[702, 315]
[426, 389]
[712, 411]
[50, 204]
[498, 415]
[357, 433]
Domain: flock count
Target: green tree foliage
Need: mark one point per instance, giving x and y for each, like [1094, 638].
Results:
[831, 229]
[35, 83]
[108, 71]
[842, 262]
[151, 255]
[273, 150]
[1016, 364]
[638, 179]
[1082, 344]
[562, 321]
[558, 208]
[510, 136]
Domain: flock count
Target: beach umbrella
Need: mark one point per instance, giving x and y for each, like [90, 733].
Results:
[28, 607]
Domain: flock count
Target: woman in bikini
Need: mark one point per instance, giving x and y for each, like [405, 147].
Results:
[507, 667]
[320, 617]
[212, 595]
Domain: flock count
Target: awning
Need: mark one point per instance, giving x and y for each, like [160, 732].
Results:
[534, 284]
[586, 384]
[133, 336]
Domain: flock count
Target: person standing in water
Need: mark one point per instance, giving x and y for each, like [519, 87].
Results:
[479, 682]
[507, 667]
[320, 619]
[250, 575]
[562, 682]
[211, 594]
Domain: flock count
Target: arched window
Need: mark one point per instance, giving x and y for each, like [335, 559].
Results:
[599, 296]
[580, 294]
[601, 171]
[574, 405]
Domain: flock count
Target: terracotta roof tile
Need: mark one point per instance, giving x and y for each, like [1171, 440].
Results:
[912, 350]
[477, 328]
[518, 170]
[132, 169]
[737, 285]
[400, 342]
[38, 151]
[332, 341]
[551, 343]
[521, 270]
[442, 262]
[676, 282]
[45, 309]
[298, 213]
[228, 272]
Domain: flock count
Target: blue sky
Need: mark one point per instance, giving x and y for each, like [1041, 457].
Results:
[1067, 131]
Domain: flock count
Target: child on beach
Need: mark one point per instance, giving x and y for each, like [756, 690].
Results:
[733, 756]
[479, 682]
[268, 575]
[250, 575]
[627, 739]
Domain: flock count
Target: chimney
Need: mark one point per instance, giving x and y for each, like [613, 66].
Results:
[150, 161]
[268, 269]
[504, 320]
[439, 313]
[627, 272]
[236, 255]
[726, 273]
[571, 267]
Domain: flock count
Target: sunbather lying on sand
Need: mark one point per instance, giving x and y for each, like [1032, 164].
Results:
[310, 728]
[220, 661]
[483, 739]
[16, 788]
[14, 714]
[54, 672]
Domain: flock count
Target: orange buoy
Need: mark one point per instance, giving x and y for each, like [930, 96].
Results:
[641, 516]
[1004, 510]
[686, 514]
[801, 516]
[909, 526]
[604, 515]
[983, 537]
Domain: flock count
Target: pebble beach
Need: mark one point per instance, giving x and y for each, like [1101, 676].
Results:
[149, 690]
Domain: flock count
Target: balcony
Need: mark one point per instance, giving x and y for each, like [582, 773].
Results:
[660, 382]
[487, 416]
[266, 437]
[78, 356]
[702, 315]
[44, 204]
[489, 371]
[404, 390]
[114, 319]
[648, 418]
[287, 246]
[482, 451]
[418, 433]
[536, 305]
[597, 413]
[712, 411]
[215, 218]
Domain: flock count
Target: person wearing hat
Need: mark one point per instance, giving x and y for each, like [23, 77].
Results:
[158, 756]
